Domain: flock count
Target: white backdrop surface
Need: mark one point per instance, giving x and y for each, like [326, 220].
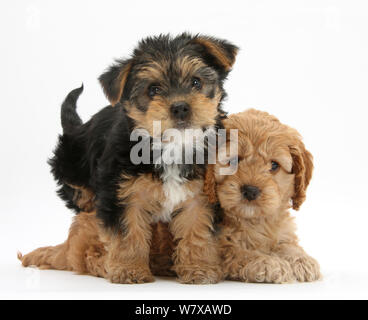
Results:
[303, 61]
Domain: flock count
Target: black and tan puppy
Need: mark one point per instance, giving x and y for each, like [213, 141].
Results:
[178, 82]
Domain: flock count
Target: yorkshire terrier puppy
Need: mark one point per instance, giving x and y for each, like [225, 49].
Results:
[178, 83]
[257, 239]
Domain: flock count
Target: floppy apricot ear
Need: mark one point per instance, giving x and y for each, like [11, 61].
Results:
[209, 186]
[302, 169]
[114, 79]
[220, 52]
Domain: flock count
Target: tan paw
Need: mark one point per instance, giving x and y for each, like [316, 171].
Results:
[129, 274]
[198, 274]
[305, 268]
[269, 269]
[37, 258]
[28, 259]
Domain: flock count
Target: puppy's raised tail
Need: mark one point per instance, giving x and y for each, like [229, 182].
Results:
[69, 116]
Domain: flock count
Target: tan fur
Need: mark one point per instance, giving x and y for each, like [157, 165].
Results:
[158, 110]
[204, 109]
[124, 257]
[195, 258]
[189, 65]
[122, 79]
[217, 52]
[84, 198]
[83, 251]
[204, 112]
[209, 187]
[155, 70]
[258, 241]
[162, 249]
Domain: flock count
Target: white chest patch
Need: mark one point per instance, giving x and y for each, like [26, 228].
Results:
[175, 192]
[174, 145]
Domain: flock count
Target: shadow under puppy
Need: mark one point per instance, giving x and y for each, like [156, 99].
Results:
[257, 239]
[178, 82]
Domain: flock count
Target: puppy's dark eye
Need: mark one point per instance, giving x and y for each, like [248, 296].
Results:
[274, 166]
[154, 90]
[196, 83]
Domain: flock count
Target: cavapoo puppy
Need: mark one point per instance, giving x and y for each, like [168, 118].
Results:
[257, 239]
[178, 83]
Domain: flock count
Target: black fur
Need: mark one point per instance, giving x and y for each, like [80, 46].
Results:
[94, 155]
[69, 117]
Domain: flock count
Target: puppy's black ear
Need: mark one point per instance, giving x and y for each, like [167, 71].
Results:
[114, 79]
[220, 53]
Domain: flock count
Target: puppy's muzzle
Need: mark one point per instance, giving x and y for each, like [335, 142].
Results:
[250, 192]
[180, 111]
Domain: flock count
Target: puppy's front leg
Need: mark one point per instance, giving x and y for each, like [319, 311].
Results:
[305, 267]
[128, 251]
[242, 261]
[196, 259]
[255, 266]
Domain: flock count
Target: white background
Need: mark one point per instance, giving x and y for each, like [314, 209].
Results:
[304, 61]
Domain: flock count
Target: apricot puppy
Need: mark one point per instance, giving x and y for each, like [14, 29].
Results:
[257, 240]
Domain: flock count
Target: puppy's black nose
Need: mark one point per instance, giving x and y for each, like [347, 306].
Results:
[180, 110]
[250, 192]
